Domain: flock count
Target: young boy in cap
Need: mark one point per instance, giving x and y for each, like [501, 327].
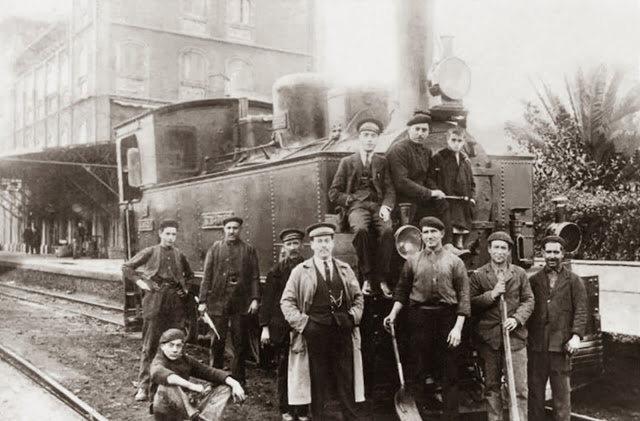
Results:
[488, 283]
[362, 186]
[171, 371]
[323, 303]
[161, 272]
[454, 177]
[434, 288]
[229, 291]
[275, 329]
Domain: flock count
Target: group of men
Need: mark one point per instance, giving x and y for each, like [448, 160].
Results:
[310, 310]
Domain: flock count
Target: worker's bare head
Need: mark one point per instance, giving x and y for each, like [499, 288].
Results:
[168, 232]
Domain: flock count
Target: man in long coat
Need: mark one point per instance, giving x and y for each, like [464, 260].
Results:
[362, 186]
[229, 292]
[555, 328]
[323, 303]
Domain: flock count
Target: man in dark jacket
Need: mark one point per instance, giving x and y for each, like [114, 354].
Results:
[362, 187]
[555, 330]
[229, 292]
[410, 163]
[499, 277]
[275, 329]
[164, 272]
[171, 371]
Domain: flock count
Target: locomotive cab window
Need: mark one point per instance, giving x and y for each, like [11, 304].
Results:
[178, 154]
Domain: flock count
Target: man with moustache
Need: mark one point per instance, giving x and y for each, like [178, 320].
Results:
[555, 328]
[487, 284]
[410, 162]
[323, 303]
[229, 292]
[434, 288]
[275, 329]
[161, 272]
[363, 187]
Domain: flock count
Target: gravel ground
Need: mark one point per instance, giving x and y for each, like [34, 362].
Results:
[98, 362]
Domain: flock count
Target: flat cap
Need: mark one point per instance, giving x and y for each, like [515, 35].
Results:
[371, 125]
[172, 335]
[166, 223]
[501, 236]
[234, 218]
[553, 239]
[419, 117]
[289, 234]
[431, 221]
[321, 228]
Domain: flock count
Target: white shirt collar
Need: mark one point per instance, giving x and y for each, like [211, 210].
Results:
[320, 264]
[363, 156]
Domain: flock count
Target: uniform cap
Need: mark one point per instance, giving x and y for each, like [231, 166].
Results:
[289, 234]
[501, 236]
[321, 228]
[371, 125]
[228, 219]
[553, 239]
[431, 221]
[172, 335]
[420, 117]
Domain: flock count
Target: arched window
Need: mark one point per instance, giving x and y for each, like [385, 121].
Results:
[240, 11]
[193, 75]
[240, 74]
[132, 68]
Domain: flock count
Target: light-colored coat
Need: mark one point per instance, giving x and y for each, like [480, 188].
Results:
[295, 303]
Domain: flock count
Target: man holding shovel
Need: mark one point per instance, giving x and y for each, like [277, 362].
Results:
[488, 283]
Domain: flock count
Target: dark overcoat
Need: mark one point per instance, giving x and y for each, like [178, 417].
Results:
[455, 180]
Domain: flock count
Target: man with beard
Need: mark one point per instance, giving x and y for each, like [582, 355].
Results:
[487, 284]
[229, 292]
[362, 187]
[275, 329]
[410, 162]
[322, 303]
[556, 327]
[434, 288]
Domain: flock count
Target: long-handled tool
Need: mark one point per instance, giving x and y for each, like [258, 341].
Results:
[511, 385]
[405, 405]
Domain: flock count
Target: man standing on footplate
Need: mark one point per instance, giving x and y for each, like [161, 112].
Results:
[434, 288]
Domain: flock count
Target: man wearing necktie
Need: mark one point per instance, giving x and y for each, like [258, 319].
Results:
[362, 186]
[434, 288]
[161, 271]
[499, 277]
[323, 303]
[556, 327]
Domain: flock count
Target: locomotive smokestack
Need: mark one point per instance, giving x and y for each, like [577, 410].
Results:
[414, 21]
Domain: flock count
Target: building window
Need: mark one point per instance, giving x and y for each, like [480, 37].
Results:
[240, 77]
[40, 92]
[65, 94]
[52, 86]
[64, 133]
[194, 16]
[81, 79]
[240, 19]
[82, 13]
[19, 105]
[132, 68]
[28, 100]
[193, 75]
[194, 8]
[82, 133]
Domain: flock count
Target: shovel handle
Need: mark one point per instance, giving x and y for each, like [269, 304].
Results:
[396, 353]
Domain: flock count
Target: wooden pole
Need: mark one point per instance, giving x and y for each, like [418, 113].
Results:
[511, 385]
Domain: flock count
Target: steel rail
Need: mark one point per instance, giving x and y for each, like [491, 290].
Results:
[62, 297]
[574, 416]
[50, 385]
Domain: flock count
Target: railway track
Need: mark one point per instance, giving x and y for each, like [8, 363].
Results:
[50, 385]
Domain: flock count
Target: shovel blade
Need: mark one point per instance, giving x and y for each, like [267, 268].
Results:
[406, 407]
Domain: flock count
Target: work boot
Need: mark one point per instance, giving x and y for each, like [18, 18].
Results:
[287, 417]
[142, 395]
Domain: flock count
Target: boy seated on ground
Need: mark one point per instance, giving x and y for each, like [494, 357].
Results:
[170, 372]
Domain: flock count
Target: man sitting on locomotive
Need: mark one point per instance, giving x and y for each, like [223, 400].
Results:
[410, 162]
[453, 175]
[165, 271]
[171, 370]
[363, 187]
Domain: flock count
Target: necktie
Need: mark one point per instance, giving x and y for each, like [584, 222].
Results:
[327, 272]
[368, 161]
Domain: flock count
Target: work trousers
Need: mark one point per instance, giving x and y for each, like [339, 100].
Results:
[494, 364]
[171, 403]
[374, 254]
[440, 209]
[170, 315]
[239, 341]
[428, 331]
[555, 366]
[331, 366]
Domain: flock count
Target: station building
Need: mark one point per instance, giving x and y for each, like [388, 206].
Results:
[106, 62]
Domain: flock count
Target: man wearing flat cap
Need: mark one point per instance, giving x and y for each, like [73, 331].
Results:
[229, 292]
[323, 303]
[362, 186]
[410, 162]
[275, 329]
[555, 329]
[487, 284]
[161, 272]
[434, 288]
